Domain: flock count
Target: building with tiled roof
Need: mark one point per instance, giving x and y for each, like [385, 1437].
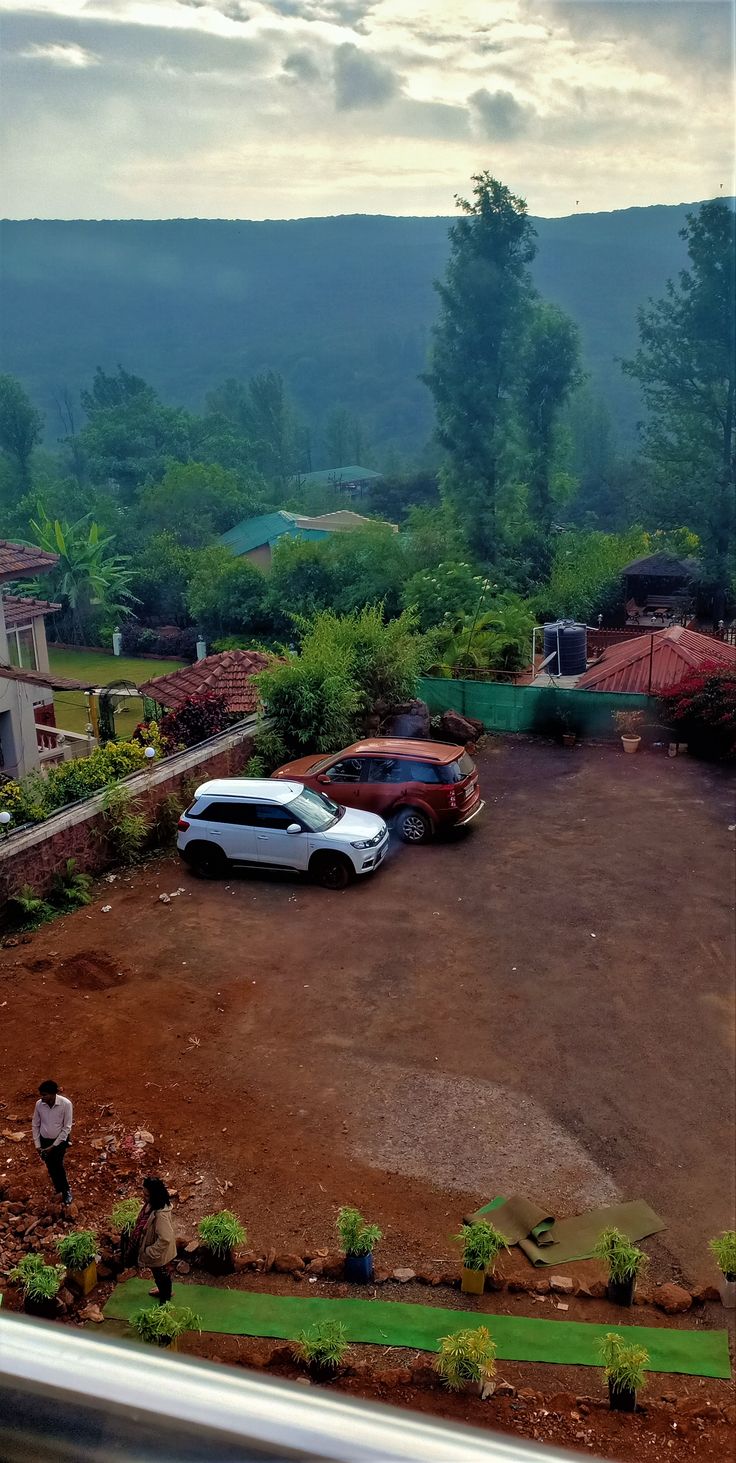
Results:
[18, 561]
[229, 674]
[653, 663]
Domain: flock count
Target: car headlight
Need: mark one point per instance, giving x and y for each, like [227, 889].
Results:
[367, 842]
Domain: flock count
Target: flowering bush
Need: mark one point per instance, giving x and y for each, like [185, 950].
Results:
[196, 719]
[148, 734]
[35, 798]
[702, 708]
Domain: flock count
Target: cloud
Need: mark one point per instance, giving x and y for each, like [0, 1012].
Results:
[300, 65]
[60, 53]
[361, 80]
[349, 13]
[501, 116]
[693, 32]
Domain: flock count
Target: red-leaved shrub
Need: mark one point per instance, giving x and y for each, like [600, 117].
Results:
[196, 719]
[702, 708]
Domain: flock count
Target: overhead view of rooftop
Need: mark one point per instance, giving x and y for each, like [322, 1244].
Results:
[367, 731]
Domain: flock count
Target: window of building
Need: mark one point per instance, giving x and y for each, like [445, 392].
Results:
[22, 647]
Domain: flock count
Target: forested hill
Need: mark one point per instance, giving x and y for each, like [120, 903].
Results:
[342, 307]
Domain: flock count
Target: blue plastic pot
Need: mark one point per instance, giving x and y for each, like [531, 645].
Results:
[359, 1269]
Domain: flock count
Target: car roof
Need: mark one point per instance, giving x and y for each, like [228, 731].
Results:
[405, 747]
[255, 788]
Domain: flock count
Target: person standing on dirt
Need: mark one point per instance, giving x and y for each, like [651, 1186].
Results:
[152, 1243]
[51, 1126]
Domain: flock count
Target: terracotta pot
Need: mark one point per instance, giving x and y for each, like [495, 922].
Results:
[472, 1282]
[630, 744]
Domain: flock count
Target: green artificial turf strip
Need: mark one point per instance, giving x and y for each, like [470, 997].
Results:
[393, 1323]
[563, 1240]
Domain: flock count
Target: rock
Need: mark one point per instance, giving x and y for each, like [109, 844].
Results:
[192, 1247]
[598, 1289]
[403, 1274]
[542, 1287]
[560, 1402]
[394, 1376]
[287, 1264]
[505, 1389]
[334, 1267]
[183, 1268]
[585, 1292]
[65, 1296]
[672, 1298]
[561, 1283]
[269, 1261]
[520, 1287]
[449, 1277]
[453, 727]
[315, 1267]
[705, 1294]
[527, 1394]
[91, 1313]
[380, 1276]
[164, 899]
[428, 1277]
[698, 1407]
[409, 719]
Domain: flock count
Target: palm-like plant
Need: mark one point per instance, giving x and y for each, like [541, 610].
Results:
[88, 577]
[498, 639]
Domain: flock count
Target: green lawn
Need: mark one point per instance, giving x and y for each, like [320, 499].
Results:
[93, 666]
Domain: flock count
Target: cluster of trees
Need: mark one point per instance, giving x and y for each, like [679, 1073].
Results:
[522, 505]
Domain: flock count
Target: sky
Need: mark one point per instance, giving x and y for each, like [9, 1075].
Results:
[294, 108]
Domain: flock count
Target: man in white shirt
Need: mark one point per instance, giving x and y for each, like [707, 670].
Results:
[52, 1122]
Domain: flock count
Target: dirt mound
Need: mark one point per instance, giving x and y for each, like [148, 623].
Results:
[38, 966]
[90, 971]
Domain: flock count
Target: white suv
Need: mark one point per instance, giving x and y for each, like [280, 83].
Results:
[281, 825]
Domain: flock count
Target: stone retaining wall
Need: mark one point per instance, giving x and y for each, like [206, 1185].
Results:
[32, 855]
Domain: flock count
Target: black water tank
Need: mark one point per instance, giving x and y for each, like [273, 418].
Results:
[573, 646]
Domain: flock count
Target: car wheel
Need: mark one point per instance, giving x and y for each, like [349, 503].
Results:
[413, 826]
[208, 860]
[332, 871]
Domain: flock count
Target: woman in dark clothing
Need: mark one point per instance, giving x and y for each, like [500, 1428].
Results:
[152, 1244]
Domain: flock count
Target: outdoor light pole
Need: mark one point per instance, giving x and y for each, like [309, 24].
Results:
[4, 820]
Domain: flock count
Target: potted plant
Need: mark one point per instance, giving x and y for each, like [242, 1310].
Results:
[40, 1285]
[624, 1263]
[724, 1249]
[162, 1325]
[467, 1360]
[624, 1365]
[78, 1250]
[220, 1233]
[481, 1244]
[358, 1240]
[322, 1347]
[123, 1218]
[629, 724]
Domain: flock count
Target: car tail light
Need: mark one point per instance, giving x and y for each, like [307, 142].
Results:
[182, 825]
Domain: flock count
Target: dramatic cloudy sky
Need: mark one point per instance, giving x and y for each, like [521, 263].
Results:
[285, 108]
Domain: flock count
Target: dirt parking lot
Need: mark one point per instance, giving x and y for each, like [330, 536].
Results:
[544, 1005]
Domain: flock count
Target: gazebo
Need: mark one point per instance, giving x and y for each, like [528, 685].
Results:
[658, 589]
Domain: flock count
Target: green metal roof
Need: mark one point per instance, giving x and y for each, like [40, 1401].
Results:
[328, 477]
[253, 533]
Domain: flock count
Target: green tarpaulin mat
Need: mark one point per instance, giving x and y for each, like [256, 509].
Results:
[392, 1323]
[558, 1242]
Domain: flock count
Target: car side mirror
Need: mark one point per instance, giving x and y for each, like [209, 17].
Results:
[323, 777]
[294, 828]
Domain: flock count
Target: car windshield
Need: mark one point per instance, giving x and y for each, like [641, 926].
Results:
[314, 809]
[457, 771]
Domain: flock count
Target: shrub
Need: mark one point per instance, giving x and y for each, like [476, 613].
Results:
[32, 909]
[35, 798]
[723, 1247]
[198, 718]
[221, 1232]
[124, 1215]
[124, 830]
[269, 752]
[163, 1323]
[481, 1244]
[37, 1280]
[78, 1249]
[623, 1363]
[356, 1236]
[69, 886]
[322, 1345]
[702, 708]
[629, 723]
[623, 1259]
[466, 1356]
[448, 590]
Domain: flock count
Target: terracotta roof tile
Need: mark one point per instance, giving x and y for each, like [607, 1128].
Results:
[18, 560]
[43, 678]
[654, 662]
[18, 610]
[228, 674]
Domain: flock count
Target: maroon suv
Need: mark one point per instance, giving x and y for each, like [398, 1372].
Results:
[419, 786]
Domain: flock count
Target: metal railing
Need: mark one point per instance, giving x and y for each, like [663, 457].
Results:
[69, 1397]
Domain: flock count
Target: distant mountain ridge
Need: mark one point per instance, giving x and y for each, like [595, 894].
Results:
[341, 306]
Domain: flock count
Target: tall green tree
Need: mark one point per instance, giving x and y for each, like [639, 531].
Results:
[686, 366]
[262, 411]
[226, 596]
[485, 300]
[194, 502]
[20, 427]
[130, 435]
[550, 372]
[92, 582]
